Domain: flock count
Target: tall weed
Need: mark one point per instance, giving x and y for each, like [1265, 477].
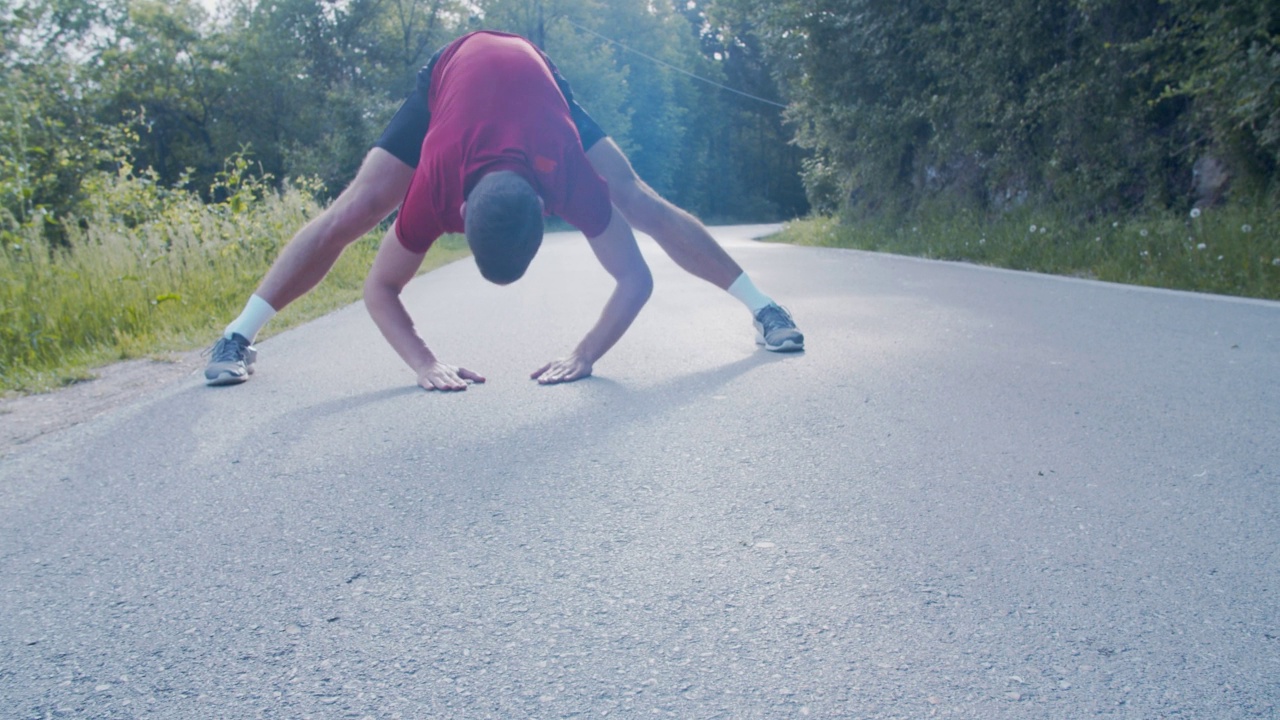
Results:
[150, 269]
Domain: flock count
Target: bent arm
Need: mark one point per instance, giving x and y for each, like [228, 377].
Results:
[393, 268]
[616, 250]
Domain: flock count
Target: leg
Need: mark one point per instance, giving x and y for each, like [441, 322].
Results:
[681, 235]
[377, 189]
[686, 240]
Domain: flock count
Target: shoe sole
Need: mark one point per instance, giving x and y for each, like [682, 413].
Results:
[231, 377]
[227, 377]
[784, 346]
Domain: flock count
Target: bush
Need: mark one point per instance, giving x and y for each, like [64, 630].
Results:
[1096, 107]
[141, 268]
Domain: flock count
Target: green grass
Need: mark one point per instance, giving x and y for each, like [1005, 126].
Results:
[1230, 251]
[149, 272]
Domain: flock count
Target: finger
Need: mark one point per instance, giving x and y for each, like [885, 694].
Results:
[454, 376]
[537, 374]
[452, 382]
[557, 374]
[469, 375]
[573, 374]
[443, 381]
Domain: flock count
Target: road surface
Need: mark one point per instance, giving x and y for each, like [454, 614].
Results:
[978, 494]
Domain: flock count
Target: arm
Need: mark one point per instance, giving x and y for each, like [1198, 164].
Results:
[616, 250]
[393, 268]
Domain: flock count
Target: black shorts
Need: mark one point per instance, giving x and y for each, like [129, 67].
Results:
[408, 127]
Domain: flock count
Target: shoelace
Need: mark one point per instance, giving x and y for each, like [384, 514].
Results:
[774, 317]
[227, 350]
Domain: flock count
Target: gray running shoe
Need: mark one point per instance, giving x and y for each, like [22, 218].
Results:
[776, 331]
[230, 361]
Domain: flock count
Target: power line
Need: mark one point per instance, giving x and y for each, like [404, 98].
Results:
[673, 67]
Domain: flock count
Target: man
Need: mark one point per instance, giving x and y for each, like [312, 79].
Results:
[388, 171]
[501, 151]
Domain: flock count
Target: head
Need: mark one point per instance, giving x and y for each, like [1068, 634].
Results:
[503, 219]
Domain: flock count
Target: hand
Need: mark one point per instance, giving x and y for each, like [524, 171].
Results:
[438, 376]
[563, 370]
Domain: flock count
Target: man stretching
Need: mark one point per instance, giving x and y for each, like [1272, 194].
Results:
[465, 92]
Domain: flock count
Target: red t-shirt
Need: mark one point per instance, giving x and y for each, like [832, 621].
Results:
[495, 106]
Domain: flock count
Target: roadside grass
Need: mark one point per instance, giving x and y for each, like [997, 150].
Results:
[149, 272]
[1233, 250]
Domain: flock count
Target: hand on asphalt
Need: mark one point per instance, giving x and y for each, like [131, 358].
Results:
[439, 376]
[562, 370]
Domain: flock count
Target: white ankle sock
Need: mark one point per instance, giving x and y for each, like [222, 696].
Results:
[747, 292]
[256, 314]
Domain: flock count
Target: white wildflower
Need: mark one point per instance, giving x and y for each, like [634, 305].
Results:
[1033, 229]
[1201, 246]
[1143, 232]
[1195, 213]
[1246, 228]
[1043, 230]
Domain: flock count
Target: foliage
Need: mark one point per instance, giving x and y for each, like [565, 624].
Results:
[143, 254]
[47, 132]
[155, 71]
[631, 65]
[306, 86]
[1095, 106]
[150, 268]
[1224, 60]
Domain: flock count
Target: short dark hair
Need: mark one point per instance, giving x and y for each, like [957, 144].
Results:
[503, 225]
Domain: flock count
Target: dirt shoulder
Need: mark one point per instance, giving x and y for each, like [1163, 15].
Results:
[27, 418]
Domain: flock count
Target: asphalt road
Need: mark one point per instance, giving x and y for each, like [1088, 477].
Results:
[978, 494]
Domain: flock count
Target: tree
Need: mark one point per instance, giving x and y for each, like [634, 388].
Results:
[1097, 105]
[1223, 58]
[752, 167]
[631, 65]
[161, 71]
[47, 125]
[311, 83]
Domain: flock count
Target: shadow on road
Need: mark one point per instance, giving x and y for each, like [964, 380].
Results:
[680, 390]
[638, 400]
